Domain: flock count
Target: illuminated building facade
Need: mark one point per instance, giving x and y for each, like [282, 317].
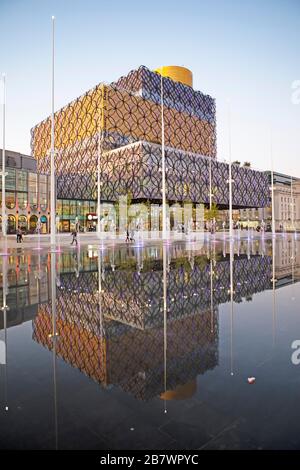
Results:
[120, 339]
[119, 125]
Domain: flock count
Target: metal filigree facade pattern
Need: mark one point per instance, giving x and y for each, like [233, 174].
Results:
[118, 337]
[122, 123]
[137, 168]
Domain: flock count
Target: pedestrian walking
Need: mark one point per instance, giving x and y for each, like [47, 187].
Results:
[132, 235]
[127, 235]
[19, 235]
[74, 238]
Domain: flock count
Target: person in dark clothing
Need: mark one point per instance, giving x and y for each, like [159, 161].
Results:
[74, 238]
[131, 238]
[19, 235]
[127, 235]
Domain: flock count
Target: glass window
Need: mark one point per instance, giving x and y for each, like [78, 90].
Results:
[80, 208]
[22, 180]
[66, 207]
[10, 200]
[33, 190]
[11, 277]
[22, 200]
[93, 206]
[22, 222]
[11, 224]
[10, 180]
[43, 191]
[73, 208]
[86, 207]
[59, 207]
[33, 223]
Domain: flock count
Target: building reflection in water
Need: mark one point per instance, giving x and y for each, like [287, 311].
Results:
[127, 327]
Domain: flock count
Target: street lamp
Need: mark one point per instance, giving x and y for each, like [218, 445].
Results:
[52, 151]
[210, 176]
[292, 207]
[272, 187]
[99, 151]
[163, 163]
[3, 157]
[230, 180]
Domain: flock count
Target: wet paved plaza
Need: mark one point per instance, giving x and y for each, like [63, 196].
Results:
[150, 346]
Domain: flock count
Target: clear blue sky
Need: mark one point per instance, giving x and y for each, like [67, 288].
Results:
[243, 51]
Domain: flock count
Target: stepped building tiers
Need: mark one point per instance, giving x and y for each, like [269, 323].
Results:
[120, 126]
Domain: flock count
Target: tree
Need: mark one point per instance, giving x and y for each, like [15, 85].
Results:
[236, 162]
[213, 212]
[247, 164]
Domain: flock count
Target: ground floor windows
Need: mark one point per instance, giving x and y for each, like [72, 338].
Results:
[10, 200]
[11, 224]
[28, 224]
[22, 222]
[64, 226]
[117, 216]
[33, 223]
[44, 224]
[22, 200]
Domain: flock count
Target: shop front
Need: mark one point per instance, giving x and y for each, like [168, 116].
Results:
[44, 224]
[91, 222]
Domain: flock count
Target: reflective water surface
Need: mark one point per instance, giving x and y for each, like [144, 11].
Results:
[151, 347]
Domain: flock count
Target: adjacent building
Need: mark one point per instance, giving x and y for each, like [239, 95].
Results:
[26, 193]
[286, 205]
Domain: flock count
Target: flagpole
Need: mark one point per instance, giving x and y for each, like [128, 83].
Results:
[230, 174]
[210, 176]
[165, 320]
[3, 158]
[163, 164]
[292, 206]
[272, 188]
[52, 171]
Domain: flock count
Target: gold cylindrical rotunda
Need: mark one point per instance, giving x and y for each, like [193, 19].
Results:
[176, 73]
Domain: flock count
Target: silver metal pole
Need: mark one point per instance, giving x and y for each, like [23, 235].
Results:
[3, 159]
[54, 337]
[163, 164]
[98, 176]
[210, 176]
[231, 306]
[230, 174]
[211, 297]
[292, 206]
[274, 280]
[272, 188]
[52, 172]
[5, 308]
[165, 318]
[273, 205]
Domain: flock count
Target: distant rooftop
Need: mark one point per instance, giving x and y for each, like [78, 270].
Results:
[281, 178]
[18, 160]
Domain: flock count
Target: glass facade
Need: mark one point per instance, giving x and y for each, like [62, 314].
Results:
[10, 180]
[33, 190]
[10, 199]
[43, 192]
[70, 209]
[26, 199]
[22, 200]
[22, 180]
